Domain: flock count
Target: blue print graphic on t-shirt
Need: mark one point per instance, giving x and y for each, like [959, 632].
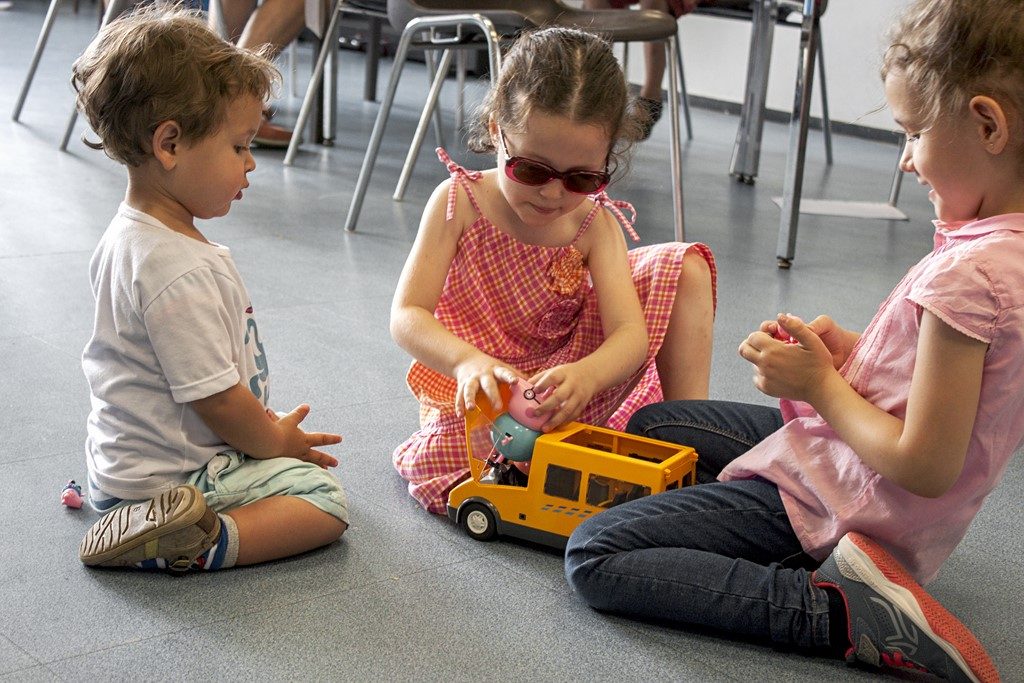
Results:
[258, 382]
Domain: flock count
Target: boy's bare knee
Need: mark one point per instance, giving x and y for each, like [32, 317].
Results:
[339, 528]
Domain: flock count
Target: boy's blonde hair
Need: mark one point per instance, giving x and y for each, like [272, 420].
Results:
[564, 72]
[161, 64]
[951, 50]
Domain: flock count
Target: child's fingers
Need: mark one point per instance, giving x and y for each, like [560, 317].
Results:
[751, 347]
[796, 329]
[297, 415]
[467, 396]
[489, 385]
[322, 439]
[564, 412]
[321, 459]
[506, 375]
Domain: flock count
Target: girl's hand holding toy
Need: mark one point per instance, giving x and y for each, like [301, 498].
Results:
[573, 389]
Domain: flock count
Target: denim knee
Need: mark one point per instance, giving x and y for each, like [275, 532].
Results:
[581, 562]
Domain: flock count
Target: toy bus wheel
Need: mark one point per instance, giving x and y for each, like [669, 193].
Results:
[478, 521]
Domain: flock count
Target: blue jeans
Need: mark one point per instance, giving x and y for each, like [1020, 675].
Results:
[717, 554]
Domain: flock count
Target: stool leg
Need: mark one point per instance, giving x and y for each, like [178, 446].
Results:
[421, 129]
[793, 183]
[826, 120]
[682, 90]
[44, 36]
[676, 152]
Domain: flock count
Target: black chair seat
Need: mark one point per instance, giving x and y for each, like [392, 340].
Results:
[741, 9]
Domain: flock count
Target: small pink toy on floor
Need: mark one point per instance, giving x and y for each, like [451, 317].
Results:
[71, 495]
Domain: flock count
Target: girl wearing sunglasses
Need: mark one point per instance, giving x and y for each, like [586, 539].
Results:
[523, 270]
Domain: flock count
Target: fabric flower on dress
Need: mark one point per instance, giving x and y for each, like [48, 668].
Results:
[566, 271]
[560, 320]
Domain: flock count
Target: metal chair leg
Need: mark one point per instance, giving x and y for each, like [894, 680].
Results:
[293, 70]
[671, 46]
[44, 36]
[682, 89]
[114, 9]
[429, 109]
[69, 129]
[826, 120]
[897, 176]
[372, 61]
[315, 80]
[793, 184]
[432, 71]
[460, 90]
[747, 150]
[413, 27]
[330, 86]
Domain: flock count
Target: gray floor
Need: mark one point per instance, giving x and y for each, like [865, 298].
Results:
[405, 596]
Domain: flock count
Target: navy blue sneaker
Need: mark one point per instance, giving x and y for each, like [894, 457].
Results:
[893, 622]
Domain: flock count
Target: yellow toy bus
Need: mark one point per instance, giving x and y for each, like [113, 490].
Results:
[575, 472]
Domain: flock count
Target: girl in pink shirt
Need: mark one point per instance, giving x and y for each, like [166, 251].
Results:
[815, 524]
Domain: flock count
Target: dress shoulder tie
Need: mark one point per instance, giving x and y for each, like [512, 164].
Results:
[616, 206]
[460, 177]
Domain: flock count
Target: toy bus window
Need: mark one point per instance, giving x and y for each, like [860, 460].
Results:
[562, 482]
[672, 485]
[606, 492]
[598, 441]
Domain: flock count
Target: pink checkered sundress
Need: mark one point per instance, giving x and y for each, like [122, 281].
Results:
[532, 307]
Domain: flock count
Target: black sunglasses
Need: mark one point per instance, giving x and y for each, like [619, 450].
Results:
[535, 173]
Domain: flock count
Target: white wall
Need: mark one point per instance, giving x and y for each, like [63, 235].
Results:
[715, 59]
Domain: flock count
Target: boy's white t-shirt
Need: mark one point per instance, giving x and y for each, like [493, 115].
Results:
[173, 324]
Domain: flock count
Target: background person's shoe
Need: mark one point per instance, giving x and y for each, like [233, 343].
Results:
[272, 136]
[650, 113]
[893, 622]
[176, 527]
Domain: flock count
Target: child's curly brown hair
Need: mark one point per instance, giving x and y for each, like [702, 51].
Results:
[951, 50]
[162, 63]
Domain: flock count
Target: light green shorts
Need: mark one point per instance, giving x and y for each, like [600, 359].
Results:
[232, 479]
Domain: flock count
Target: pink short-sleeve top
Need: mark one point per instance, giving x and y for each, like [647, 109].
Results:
[973, 280]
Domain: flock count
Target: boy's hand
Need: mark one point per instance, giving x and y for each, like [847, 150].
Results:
[481, 373]
[301, 445]
[573, 391]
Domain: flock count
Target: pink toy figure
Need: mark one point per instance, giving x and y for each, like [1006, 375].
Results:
[522, 405]
[71, 495]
